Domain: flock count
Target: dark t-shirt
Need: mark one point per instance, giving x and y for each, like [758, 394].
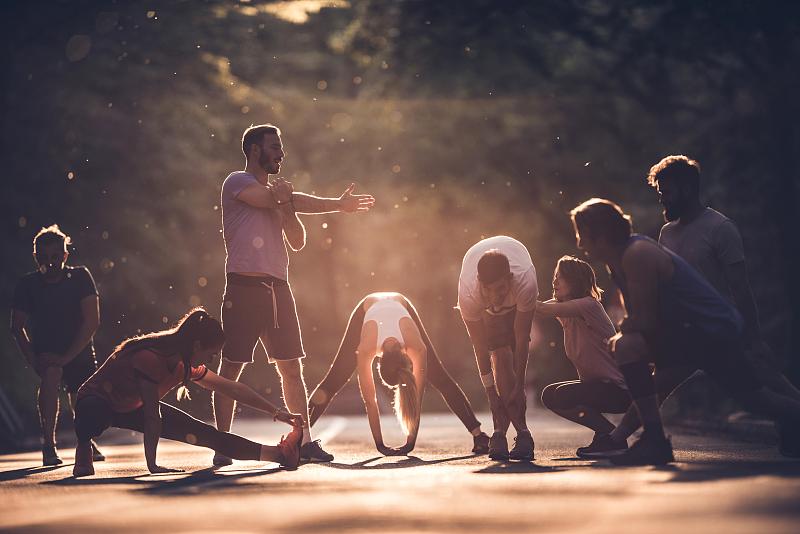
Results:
[54, 310]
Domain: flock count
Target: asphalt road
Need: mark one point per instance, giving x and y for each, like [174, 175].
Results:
[717, 485]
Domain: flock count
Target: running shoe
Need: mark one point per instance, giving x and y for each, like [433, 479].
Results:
[220, 460]
[83, 461]
[602, 446]
[498, 447]
[480, 443]
[97, 456]
[647, 450]
[523, 448]
[313, 452]
[290, 448]
[50, 455]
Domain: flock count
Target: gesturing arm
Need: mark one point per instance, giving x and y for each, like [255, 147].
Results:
[347, 202]
[247, 395]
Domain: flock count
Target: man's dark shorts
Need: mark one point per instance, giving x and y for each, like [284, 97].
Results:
[260, 307]
[720, 355]
[500, 330]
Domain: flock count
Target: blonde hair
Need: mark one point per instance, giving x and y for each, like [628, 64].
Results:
[395, 369]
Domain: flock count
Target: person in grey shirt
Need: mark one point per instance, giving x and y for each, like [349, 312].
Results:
[711, 243]
[259, 217]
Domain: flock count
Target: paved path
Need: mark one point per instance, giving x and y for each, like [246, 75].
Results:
[717, 485]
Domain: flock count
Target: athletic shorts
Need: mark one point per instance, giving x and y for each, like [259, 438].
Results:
[77, 371]
[500, 330]
[260, 307]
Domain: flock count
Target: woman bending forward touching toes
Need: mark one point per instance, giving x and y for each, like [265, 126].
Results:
[126, 392]
[386, 327]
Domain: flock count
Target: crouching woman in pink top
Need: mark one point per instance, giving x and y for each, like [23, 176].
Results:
[601, 387]
[126, 392]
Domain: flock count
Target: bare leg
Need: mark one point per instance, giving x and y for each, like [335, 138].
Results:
[294, 391]
[48, 403]
[505, 380]
[224, 406]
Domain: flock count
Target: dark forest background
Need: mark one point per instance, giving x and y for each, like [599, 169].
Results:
[465, 119]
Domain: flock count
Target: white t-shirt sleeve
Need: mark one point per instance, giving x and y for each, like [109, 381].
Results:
[471, 309]
[527, 291]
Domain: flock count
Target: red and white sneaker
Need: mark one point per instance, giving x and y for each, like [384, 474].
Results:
[290, 448]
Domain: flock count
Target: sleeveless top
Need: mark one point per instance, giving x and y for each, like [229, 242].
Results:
[387, 314]
[687, 300]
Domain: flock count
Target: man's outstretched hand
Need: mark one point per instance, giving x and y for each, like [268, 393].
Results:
[349, 203]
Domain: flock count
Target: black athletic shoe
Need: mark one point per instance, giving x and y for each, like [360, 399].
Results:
[220, 460]
[313, 452]
[480, 443]
[647, 450]
[50, 455]
[602, 446]
[97, 456]
[523, 448]
[498, 447]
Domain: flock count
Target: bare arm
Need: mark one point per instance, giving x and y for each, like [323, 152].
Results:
[347, 202]
[18, 321]
[152, 423]
[522, 337]
[90, 314]
[554, 308]
[246, 395]
[293, 228]
[745, 302]
[644, 266]
[259, 196]
[366, 384]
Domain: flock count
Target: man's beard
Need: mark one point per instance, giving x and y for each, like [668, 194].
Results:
[265, 163]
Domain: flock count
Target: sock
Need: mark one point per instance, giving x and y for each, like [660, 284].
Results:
[306, 436]
[476, 431]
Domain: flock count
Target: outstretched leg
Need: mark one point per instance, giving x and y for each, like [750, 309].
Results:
[342, 368]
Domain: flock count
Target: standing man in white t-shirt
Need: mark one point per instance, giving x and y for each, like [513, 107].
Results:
[259, 216]
[497, 292]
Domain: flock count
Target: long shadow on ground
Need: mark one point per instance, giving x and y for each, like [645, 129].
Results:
[167, 484]
[408, 461]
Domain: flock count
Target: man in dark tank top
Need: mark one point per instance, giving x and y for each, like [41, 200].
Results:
[674, 320]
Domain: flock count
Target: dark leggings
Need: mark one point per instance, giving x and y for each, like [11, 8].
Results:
[93, 416]
[344, 365]
[586, 402]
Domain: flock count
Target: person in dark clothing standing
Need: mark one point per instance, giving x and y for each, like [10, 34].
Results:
[55, 313]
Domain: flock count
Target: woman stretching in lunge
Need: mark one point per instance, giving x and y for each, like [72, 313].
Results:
[386, 325]
[126, 390]
[587, 328]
